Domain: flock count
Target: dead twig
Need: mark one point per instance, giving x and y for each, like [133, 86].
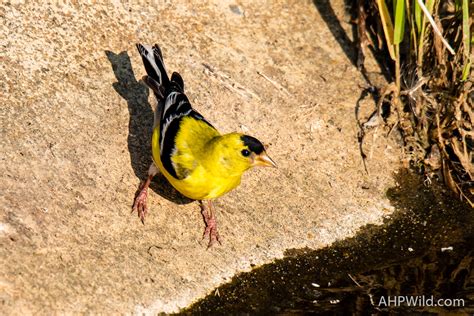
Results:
[228, 83]
[276, 84]
[435, 27]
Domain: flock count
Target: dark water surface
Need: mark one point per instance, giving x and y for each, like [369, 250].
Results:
[425, 251]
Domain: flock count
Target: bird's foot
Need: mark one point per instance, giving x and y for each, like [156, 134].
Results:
[140, 204]
[141, 197]
[211, 226]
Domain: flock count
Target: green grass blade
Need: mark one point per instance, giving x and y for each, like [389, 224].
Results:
[399, 29]
[430, 5]
[418, 17]
[466, 40]
[387, 26]
[465, 71]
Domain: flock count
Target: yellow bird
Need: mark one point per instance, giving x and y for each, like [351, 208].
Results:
[194, 157]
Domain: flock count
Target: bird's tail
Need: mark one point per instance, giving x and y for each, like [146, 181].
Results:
[157, 78]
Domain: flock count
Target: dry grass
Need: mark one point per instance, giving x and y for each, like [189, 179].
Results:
[428, 54]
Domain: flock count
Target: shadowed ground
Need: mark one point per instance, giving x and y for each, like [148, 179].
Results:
[423, 249]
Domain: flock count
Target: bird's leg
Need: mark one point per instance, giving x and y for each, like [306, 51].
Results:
[209, 217]
[140, 203]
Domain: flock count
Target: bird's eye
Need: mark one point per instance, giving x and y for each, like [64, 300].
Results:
[245, 152]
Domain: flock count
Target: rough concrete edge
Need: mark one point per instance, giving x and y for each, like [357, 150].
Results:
[382, 211]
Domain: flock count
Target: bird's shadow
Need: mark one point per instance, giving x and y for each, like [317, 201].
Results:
[140, 125]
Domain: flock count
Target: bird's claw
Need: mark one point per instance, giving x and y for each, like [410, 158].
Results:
[140, 204]
[211, 231]
[211, 228]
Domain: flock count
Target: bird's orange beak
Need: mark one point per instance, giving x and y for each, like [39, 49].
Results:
[263, 160]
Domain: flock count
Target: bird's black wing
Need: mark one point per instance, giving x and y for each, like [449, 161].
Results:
[176, 108]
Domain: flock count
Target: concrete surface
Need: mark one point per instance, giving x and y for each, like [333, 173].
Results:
[75, 127]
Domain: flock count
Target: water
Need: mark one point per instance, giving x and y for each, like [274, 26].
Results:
[425, 250]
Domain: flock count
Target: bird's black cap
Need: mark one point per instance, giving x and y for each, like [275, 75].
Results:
[253, 144]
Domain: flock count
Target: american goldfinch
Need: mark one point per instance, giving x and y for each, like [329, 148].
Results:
[194, 157]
